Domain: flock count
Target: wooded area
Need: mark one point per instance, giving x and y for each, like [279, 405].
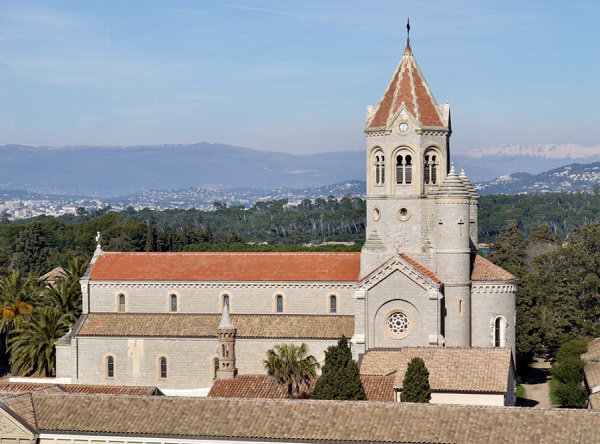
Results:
[558, 295]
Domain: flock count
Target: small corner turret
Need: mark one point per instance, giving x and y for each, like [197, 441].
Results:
[226, 333]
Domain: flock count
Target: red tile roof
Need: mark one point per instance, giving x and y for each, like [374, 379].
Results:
[377, 388]
[484, 270]
[408, 86]
[294, 267]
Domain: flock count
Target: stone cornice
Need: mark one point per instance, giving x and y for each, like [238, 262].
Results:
[212, 285]
[493, 288]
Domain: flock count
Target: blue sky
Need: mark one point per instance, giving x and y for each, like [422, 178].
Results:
[293, 76]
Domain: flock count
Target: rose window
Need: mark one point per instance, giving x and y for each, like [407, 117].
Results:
[398, 323]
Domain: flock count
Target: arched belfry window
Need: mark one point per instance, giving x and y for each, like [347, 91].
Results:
[379, 163]
[403, 169]
[430, 168]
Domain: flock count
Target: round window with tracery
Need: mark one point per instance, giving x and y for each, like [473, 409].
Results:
[398, 325]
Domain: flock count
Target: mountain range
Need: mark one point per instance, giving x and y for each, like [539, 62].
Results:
[108, 171]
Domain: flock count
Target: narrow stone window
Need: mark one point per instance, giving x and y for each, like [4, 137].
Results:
[499, 332]
[379, 169]
[110, 367]
[173, 302]
[163, 367]
[226, 301]
[332, 304]
[215, 367]
[121, 302]
[460, 308]
[279, 303]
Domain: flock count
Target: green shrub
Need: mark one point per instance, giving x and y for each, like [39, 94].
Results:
[569, 371]
[573, 348]
[572, 395]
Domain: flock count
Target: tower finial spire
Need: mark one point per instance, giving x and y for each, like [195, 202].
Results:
[408, 31]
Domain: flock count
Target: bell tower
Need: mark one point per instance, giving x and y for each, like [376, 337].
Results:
[408, 151]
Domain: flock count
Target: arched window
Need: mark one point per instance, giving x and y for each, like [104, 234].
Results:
[403, 169]
[499, 332]
[279, 303]
[430, 168]
[173, 299]
[379, 169]
[226, 301]
[121, 302]
[332, 304]
[163, 367]
[110, 367]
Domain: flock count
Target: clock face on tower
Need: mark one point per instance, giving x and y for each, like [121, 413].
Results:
[403, 127]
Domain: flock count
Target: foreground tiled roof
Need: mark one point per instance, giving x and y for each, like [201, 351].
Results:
[592, 366]
[377, 388]
[309, 420]
[407, 86]
[205, 325]
[450, 369]
[279, 267]
[484, 270]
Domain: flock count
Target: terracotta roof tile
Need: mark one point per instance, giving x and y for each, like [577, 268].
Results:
[407, 86]
[269, 420]
[377, 388]
[341, 267]
[450, 369]
[484, 270]
[8, 387]
[205, 325]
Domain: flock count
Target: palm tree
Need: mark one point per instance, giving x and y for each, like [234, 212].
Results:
[64, 294]
[31, 347]
[18, 295]
[291, 365]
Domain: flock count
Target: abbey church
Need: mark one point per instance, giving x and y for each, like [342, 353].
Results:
[180, 321]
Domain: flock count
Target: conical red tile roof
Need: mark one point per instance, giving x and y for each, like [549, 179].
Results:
[408, 86]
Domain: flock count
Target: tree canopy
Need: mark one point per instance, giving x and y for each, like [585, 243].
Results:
[340, 378]
[415, 386]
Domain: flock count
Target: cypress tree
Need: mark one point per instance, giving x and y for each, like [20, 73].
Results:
[415, 386]
[340, 379]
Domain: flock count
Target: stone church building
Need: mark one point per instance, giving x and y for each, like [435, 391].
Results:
[178, 321]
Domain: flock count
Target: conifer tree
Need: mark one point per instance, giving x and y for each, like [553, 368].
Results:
[415, 386]
[340, 379]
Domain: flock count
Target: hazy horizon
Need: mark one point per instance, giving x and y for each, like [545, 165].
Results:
[292, 77]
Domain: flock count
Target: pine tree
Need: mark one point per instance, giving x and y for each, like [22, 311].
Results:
[340, 379]
[415, 386]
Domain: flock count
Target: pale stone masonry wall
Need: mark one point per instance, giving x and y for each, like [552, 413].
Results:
[488, 301]
[244, 297]
[190, 361]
